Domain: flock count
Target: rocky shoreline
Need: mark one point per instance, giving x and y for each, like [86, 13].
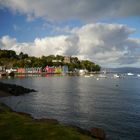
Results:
[13, 89]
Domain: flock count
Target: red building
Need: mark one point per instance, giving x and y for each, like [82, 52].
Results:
[49, 69]
[21, 70]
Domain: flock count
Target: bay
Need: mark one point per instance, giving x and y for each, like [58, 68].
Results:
[111, 104]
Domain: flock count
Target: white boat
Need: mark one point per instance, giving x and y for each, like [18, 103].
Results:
[82, 72]
[116, 76]
[102, 76]
[130, 74]
[10, 72]
[87, 75]
[138, 75]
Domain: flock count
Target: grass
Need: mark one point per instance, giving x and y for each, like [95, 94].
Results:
[15, 126]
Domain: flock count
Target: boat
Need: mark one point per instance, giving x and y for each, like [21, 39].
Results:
[116, 76]
[87, 76]
[102, 76]
[91, 75]
[130, 74]
[82, 72]
[10, 72]
[138, 75]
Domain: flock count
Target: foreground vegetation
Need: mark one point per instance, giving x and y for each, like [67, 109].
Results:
[9, 58]
[16, 126]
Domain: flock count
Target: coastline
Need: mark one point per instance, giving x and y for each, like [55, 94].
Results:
[12, 119]
[93, 134]
[15, 125]
[13, 89]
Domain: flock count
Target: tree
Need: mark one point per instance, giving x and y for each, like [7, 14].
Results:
[8, 54]
[9, 58]
[22, 55]
[59, 57]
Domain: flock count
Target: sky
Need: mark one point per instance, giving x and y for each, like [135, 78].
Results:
[106, 32]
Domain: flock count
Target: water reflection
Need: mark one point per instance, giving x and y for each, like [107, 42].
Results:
[86, 102]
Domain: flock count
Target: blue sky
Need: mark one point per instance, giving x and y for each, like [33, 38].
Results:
[17, 26]
[102, 31]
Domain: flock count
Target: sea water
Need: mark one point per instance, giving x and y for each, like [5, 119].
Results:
[109, 103]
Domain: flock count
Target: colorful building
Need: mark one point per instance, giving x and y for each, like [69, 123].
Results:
[47, 69]
[35, 70]
[56, 70]
[21, 70]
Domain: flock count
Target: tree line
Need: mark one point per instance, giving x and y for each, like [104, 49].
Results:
[9, 58]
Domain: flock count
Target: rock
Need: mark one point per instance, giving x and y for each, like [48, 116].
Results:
[14, 89]
[98, 133]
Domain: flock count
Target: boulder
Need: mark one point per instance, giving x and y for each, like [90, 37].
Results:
[98, 133]
[14, 89]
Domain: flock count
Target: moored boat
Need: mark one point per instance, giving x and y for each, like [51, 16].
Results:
[130, 74]
[116, 76]
[102, 76]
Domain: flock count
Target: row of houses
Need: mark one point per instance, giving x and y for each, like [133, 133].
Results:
[37, 70]
[63, 69]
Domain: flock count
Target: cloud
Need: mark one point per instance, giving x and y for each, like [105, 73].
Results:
[105, 44]
[6, 42]
[87, 10]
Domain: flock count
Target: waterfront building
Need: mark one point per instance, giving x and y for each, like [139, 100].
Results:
[67, 59]
[21, 70]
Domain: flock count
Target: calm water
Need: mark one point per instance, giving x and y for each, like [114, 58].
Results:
[112, 104]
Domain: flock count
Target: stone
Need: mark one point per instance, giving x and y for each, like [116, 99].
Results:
[14, 89]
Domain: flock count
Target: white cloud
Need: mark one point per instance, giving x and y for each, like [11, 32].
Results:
[106, 44]
[88, 10]
[6, 42]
